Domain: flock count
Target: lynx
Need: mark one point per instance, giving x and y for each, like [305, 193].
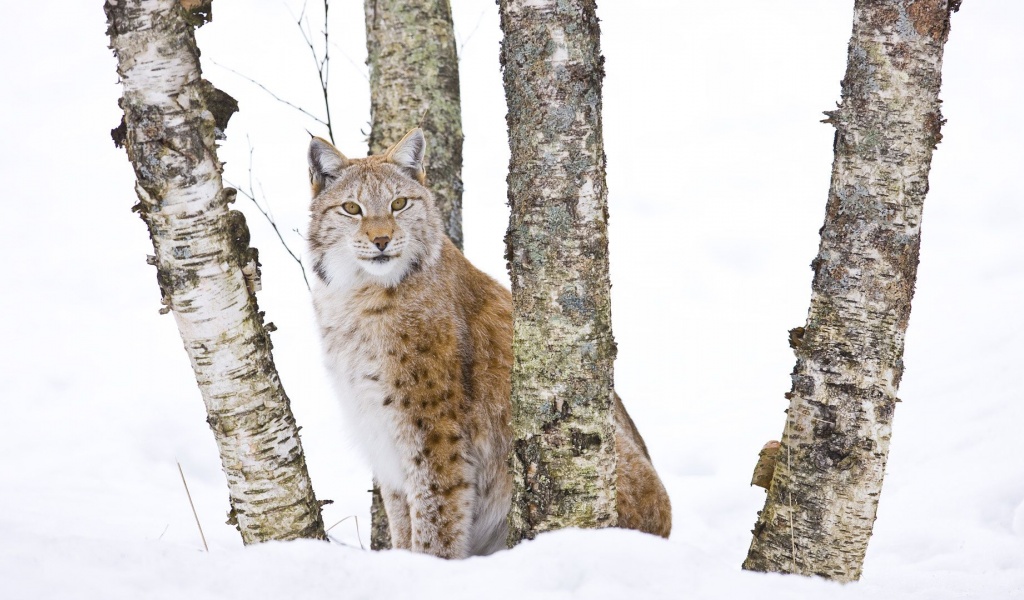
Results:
[418, 343]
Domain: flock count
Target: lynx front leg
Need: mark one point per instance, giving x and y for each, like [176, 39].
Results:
[397, 508]
[441, 518]
[443, 496]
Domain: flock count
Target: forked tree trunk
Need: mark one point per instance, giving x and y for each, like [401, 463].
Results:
[414, 82]
[824, 492]
[563, 458]
[205, 268]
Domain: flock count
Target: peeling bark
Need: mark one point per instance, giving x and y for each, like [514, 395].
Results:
[206, 271]
[563, 460]
[414, 82]
[823, 496]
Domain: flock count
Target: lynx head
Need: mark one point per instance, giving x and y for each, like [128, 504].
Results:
[371, 218]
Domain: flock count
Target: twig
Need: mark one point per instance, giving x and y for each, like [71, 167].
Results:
[251, 195]
[277, 231]
[323, 74]
[194, 514]
[342, 521]
[326, 74]
[361, 69]
[423, 117]
[323, 66]
[359, 536]
[470, 36]
[278, 98]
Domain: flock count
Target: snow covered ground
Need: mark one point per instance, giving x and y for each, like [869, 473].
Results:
[718, 172]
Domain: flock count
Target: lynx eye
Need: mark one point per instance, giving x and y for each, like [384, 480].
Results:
[399, 203]
[351, 208]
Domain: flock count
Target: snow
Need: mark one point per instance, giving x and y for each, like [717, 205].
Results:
[718, 171]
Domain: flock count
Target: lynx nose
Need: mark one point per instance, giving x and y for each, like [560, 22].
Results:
[381, 242]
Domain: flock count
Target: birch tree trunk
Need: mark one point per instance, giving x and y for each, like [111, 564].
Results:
[414, 82]
[563, 457]
[824, 493]
[205, 268]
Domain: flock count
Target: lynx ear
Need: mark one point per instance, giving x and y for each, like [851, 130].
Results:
[408, 154]
[325, 164]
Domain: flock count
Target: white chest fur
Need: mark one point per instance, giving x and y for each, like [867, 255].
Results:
[353, 361]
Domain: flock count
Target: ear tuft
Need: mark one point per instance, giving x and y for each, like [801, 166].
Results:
[408, 154]
[325, 164]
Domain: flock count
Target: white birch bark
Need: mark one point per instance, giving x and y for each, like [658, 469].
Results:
[824, 492]
[563, 460]
[201, 250]
[414, 82]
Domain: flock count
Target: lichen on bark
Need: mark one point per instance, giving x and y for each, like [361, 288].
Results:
[563, 459]
[824, 492]
[380, 529]
[206, 270]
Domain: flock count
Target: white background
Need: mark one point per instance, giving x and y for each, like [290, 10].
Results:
[718, 172]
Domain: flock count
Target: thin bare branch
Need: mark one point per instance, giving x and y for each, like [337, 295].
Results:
[273, 224]
[471, 33]
[322, 64]
[251, 195]
[326, 72]
[360, 68]
[275, 96]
